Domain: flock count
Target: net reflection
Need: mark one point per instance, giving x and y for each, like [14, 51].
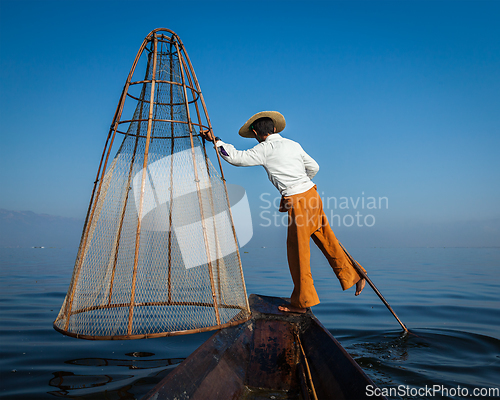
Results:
[89, 376]
[131, 364]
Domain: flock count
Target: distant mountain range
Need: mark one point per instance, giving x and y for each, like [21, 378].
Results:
[28, 229]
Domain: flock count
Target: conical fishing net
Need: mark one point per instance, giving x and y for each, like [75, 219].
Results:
[159, 253]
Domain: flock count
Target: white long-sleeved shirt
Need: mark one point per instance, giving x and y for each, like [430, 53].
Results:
[289, 167]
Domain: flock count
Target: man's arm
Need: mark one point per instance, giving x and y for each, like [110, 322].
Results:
[238, 158]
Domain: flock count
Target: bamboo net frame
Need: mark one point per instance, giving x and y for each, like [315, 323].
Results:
[158, 254]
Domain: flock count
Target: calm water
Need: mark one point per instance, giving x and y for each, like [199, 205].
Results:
[448, 297]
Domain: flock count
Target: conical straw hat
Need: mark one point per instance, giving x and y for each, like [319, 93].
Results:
[278, 119]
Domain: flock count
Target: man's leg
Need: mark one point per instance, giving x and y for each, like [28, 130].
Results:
[326, 240]
[298, 252]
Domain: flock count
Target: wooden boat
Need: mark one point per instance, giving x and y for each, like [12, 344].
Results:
[272, 356]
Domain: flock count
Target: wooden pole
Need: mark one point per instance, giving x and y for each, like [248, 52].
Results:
[363, 274]
[143, 184]
[128, 193]
[222, 176]
[197, 181]
[217, 247]
[307, 369]
[169, 260]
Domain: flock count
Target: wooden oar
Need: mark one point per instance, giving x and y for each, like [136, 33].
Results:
[363, 274]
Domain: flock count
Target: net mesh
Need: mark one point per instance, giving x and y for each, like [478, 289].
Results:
[158, 255]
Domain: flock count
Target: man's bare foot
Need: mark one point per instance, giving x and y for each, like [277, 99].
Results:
[292, 309]
[360, 285]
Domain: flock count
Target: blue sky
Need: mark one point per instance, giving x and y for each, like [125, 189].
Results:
[393, 99]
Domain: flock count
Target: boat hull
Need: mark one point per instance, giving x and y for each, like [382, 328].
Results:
[272, 356]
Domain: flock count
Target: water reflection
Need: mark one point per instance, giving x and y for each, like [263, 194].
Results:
[131, 364]
[67, 381]
[73, 384]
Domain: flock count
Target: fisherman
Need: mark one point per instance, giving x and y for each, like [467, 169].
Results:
[291, 169]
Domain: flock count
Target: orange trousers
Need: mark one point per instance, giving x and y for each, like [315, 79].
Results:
[306, 218]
